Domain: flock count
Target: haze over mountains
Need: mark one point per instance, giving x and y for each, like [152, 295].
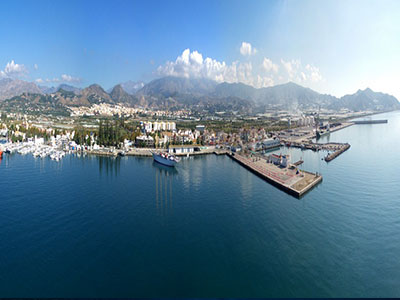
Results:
[197, 94]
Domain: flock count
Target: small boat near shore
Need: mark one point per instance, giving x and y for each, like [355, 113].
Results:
[165, 158]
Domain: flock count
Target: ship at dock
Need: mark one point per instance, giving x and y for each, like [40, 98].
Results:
[165, 159]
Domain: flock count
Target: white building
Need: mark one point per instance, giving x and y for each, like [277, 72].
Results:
[181, 149]
[158, 126]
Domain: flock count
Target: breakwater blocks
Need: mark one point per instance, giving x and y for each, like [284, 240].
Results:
[335, 154]
[290, 180]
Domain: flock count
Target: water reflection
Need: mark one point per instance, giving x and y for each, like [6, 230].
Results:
[163, 185]
[110, 165]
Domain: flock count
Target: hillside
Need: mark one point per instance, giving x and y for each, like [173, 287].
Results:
[366, 100]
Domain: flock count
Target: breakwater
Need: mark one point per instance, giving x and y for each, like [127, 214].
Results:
[335, 154]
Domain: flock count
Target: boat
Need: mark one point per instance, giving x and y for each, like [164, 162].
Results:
[122, 153]
[165, 159]
[1, 154]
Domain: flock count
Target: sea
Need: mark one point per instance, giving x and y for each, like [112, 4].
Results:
[91, 226]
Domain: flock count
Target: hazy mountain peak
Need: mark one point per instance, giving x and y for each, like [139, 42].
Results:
[171, 85]
[118, 94]
[131, 87]
[14, 87]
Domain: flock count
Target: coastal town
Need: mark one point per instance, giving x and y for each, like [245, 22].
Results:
[125, 131]
[135, 135]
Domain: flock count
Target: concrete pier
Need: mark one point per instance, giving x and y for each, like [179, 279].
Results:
[285, 179]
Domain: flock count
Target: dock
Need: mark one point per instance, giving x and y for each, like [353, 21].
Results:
[290, 180]
[336, 148]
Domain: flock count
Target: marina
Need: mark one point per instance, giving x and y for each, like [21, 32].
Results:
[37, 150]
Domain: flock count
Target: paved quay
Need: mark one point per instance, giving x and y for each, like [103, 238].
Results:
[147, 152]
[287, 179]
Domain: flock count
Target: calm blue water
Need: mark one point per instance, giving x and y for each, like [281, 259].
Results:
[91, 227]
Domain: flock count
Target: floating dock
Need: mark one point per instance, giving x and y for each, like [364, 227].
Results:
[287, 179]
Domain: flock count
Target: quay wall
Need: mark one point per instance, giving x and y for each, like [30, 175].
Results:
[282, 187]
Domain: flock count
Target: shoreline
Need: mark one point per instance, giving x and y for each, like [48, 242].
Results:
[147, 152]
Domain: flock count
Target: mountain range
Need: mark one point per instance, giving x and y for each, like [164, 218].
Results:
[196, 94]
[65, 87]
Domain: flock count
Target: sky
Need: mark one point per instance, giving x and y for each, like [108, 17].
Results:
[334, 47]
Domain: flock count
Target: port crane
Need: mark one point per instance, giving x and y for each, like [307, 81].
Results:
[317, 133]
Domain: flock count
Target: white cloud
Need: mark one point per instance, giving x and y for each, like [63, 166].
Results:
[314, 73]
[193, 65]
[246, 49]
[298, 73]
[291, 67]
[270, 66]
[63, 78]
[69, 78]
[263, 81]
[13, 70]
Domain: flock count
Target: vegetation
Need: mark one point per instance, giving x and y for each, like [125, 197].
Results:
[110, 133]
[234, 126]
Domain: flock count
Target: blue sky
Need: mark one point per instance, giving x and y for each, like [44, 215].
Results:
[333, 47]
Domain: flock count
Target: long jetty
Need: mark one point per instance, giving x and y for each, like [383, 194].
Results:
[370, 122]
[288, 180]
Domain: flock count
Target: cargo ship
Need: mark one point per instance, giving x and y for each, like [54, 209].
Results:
[165, 159]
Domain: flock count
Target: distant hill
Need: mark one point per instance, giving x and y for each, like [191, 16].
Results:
[172, 86]
[119, 95]
[15, 87]
[366, 100]
[239, 90]
[36, 104]
[63, 86]
[94, 94]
